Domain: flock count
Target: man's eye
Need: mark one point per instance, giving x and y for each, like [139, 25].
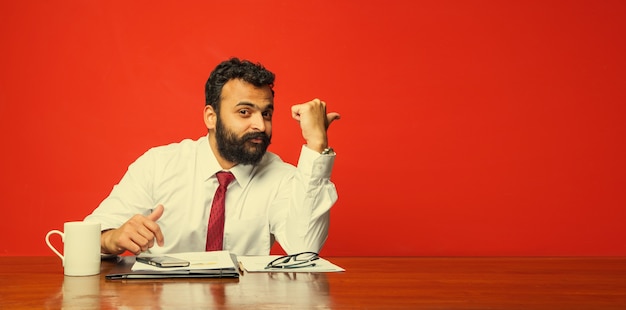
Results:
[244, 112]
[267, 115]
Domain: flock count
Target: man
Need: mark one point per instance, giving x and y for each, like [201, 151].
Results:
[164, 202]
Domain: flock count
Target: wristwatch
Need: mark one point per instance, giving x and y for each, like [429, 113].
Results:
[328, 151]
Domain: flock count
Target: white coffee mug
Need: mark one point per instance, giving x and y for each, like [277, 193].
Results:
[81, 248]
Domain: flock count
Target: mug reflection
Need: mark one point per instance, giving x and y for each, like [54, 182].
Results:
[81, 292]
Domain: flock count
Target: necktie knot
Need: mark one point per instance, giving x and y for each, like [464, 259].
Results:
[225, 177]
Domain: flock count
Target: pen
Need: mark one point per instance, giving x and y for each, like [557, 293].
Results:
[240, 267]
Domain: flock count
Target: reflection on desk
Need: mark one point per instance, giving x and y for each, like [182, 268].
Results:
[369, 282]
[300, 290]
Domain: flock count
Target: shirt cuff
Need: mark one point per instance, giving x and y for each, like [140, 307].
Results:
[314, 164]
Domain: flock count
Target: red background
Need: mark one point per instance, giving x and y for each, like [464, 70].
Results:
[469, 127]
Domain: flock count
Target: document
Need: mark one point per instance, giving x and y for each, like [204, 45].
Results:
[217, 264]
[258, 264]
[197, 261]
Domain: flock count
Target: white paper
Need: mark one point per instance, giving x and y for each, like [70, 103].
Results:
[258, 264]
[197, 261]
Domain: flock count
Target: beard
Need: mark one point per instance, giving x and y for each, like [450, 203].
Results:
[240, 150]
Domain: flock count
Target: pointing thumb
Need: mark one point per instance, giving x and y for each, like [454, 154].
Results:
[330, 117]
[156, 213]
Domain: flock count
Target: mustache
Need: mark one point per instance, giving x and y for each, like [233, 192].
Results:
[256, 135]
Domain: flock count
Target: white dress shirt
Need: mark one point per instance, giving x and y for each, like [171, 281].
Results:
[272, 200]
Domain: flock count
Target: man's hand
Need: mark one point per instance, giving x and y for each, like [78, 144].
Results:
[314, 122]
[136, 235]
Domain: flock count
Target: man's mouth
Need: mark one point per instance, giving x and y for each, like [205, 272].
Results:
[257, 138]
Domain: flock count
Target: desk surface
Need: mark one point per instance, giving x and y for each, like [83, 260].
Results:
[368, 283]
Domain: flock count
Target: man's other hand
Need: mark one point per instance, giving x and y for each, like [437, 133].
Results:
[314, 122]
[136, 235]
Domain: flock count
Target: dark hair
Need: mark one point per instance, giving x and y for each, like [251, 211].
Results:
[234, 68]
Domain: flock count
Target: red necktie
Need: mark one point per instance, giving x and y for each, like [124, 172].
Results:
[215, 233]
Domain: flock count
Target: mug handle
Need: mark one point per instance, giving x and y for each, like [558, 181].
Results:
[51, 246]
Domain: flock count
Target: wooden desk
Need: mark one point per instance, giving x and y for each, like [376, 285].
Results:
[368, 283]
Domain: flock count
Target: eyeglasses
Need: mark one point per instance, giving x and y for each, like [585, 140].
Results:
[300, 260]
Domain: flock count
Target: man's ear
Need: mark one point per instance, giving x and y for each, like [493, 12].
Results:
[210, 117]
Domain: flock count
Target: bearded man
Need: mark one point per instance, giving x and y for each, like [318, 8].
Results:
[225, 191]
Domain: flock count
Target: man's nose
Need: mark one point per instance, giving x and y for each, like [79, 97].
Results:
[258, 122]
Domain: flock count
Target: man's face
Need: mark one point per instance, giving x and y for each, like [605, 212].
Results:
[244, 122]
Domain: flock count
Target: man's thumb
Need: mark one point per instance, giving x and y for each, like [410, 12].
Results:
[156, 213]
[330, 117]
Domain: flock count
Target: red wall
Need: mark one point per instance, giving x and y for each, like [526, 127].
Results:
[469, 127]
